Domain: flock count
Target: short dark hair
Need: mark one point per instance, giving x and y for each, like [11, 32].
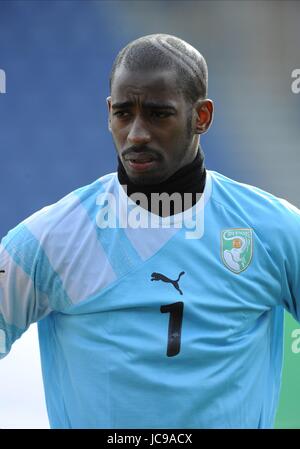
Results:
[161, 52]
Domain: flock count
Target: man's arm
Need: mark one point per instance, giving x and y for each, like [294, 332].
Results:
[21, 301]
[289, 243]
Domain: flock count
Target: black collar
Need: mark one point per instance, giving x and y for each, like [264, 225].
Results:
[188, 179]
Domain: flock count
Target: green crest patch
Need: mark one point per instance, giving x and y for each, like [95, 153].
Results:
[237, 248]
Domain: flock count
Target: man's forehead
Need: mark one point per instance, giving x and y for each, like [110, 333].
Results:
[162, 82]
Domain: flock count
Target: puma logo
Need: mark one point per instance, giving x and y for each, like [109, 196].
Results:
[162, 277]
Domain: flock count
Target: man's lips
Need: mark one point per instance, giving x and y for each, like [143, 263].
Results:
[141, 166]
[140, 161]
[139, 158]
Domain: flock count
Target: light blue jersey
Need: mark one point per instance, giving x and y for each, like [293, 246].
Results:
[145, 328]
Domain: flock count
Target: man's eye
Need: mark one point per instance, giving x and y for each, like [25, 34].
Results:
[158, 114]
[154, 114]
[121, 114]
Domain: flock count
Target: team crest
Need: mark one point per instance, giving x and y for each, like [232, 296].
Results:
[236, 249]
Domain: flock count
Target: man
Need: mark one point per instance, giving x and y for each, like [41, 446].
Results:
[156, 313]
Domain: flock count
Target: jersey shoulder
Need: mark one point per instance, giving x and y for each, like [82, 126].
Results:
[254, 204]
[65, 214]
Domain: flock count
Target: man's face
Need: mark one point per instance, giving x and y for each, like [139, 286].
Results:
[151, 124]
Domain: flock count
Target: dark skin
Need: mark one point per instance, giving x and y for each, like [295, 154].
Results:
[156, 131]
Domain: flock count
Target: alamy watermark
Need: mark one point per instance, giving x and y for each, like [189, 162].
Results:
[296, 341]
[2, 82]
[123, 211]
[295, 86]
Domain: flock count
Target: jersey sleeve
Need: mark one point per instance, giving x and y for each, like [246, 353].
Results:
[289, 240]
[22, 302]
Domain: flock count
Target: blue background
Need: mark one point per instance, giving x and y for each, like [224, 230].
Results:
[57, 57]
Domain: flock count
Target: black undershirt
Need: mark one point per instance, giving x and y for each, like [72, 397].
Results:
[188, 179]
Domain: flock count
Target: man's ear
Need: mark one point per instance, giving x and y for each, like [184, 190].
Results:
[108, 102]
[204, 115]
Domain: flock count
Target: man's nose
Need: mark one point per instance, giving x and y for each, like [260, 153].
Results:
[138, 133]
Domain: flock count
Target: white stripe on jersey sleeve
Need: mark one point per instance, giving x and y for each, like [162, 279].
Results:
[20, 303]
[69, 239]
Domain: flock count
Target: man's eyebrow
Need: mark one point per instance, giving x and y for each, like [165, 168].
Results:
[147, 105]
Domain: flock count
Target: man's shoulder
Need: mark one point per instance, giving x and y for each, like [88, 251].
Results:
[253, 202]
[67, 213]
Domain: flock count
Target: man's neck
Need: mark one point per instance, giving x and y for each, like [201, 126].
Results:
[188, 179]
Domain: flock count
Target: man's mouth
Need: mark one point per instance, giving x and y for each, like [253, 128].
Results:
[140, 161]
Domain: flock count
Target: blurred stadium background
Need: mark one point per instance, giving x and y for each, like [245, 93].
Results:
[57, 57]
